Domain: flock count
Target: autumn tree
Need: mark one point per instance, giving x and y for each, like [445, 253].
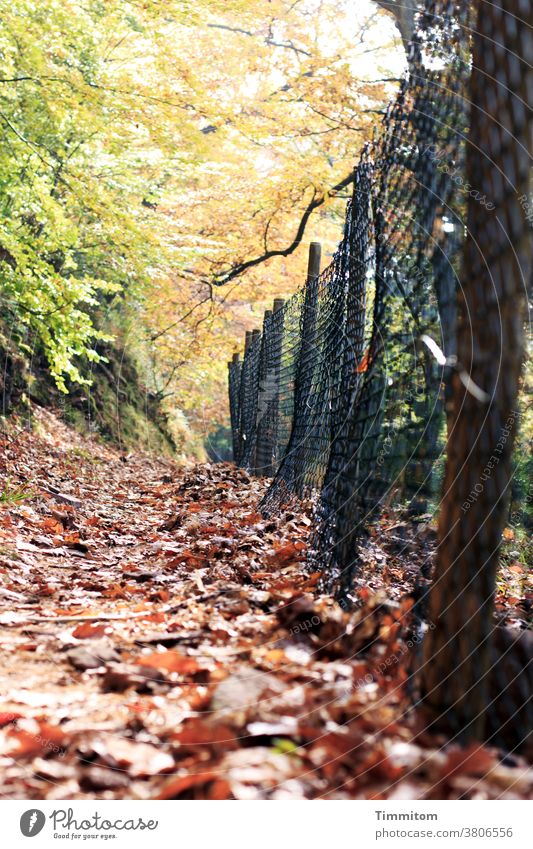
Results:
[149, 155]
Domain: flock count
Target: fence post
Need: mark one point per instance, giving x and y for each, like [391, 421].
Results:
[275, 367]
[304, 373]
[313, 262]
[249, 399]
[307, 350]
[253, 391]
[243, 395]
[269, 386]
[339, 504]
[263, 456]
[234, 381]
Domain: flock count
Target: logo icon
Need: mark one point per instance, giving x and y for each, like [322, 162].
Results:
[32, 822]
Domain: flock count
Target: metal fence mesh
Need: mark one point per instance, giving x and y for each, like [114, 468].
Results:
[349, 403]
[347, 395]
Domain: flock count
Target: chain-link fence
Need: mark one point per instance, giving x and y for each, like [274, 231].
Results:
[352, 389]
[339, 394]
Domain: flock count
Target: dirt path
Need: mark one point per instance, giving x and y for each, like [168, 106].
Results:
[160, 639]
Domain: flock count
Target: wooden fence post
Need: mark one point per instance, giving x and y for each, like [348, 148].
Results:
[263, 454]
[304, 377]
[313, 263]
[234, 382]
[253, 391]
[275, 366]
[243, 394]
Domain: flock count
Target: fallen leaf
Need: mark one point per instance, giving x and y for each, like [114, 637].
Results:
[138, 759]
[472, 760]
[89, 630]
[170, 661]
[175, 788]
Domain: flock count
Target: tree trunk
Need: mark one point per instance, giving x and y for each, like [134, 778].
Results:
[489, 344]
[404, 12]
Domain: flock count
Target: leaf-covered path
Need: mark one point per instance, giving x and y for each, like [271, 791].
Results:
[160, 639]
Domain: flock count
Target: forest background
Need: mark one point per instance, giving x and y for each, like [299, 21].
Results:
[163, 166]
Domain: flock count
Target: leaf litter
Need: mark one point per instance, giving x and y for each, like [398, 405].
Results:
[162, 640]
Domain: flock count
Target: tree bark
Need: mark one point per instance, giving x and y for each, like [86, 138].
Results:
[404, 12]
[491, 312]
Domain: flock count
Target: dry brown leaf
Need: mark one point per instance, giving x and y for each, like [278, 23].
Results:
[170, 661]
[175, 788]
[89, 630]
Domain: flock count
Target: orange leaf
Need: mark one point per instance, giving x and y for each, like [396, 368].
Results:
[116, 591]
[89, 629]
[219, 790]
[472, 760]
[171, 661]
[52, 526]
[197, 732]
[195, 507]
[209, 529]
[154, 617]
[364, 362]
[72, 538]
[251, 519]
[160, 595]
[177, 786]
[275, 657]
[8, 718]
[290, 551]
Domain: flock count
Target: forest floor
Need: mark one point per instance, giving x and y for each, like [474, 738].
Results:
[162, 640]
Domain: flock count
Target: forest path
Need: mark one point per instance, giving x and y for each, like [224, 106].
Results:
[161, 639]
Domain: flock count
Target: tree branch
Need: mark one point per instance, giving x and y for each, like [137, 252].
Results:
[286, 45]
[205, 300]
[313, 204]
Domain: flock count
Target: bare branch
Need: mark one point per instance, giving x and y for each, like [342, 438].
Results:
[313, 204]
[160, 333]
[286, 45]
